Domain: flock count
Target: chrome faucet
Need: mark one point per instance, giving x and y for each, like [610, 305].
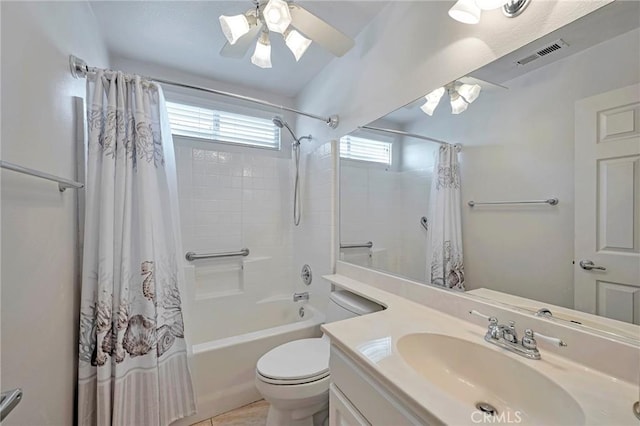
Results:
[506, 337]
[300, 296]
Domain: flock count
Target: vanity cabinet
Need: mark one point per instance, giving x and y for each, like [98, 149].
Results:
[356, 398]
[342, 412]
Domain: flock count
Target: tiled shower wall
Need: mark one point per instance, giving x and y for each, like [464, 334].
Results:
[384, 206]
[313, 238]
[233, 198]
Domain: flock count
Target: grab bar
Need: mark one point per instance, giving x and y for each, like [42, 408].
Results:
[63, 183]
[191, 256]
[550, 201]
[8, 401]
[368, 244]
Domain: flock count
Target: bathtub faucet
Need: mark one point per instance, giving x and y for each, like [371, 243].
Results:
[300, 296]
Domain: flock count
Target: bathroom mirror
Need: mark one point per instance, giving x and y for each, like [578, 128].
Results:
[555, 132]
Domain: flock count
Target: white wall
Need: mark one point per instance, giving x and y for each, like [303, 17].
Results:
[519, 144]
[40, 286]
[409, 49]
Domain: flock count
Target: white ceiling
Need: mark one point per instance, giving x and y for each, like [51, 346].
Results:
[186, 36]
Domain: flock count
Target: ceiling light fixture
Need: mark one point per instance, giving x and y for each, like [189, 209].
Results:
[234, 27]
[460, 96]
[276, 17]
[466, 11]
[296, 42]
[262, 55]
[469, 11]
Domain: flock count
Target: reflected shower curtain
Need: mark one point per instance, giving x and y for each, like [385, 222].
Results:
[445, 265]
[132, 357]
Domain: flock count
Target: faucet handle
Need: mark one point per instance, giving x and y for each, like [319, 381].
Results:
[531, 337]
[492, 320]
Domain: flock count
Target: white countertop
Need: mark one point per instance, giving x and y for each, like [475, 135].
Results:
[605, 400]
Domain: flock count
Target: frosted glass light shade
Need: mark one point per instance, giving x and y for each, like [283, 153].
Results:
[469, 92]
[466, 11]
[277, 16]
[262, 55]
[433, 99]
[435, 95]
[234, 27]
[458, 104]
[297, 43]
[490, 4]
[429, 107]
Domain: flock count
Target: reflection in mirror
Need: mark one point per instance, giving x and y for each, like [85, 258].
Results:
[559, 118]
[383, 198]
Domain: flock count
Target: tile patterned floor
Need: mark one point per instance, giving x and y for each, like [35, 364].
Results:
[254, 414]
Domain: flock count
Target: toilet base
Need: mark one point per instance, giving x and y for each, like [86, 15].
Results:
[304, 404]
[317, 415]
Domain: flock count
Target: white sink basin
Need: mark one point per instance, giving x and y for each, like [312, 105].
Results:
[475, 373]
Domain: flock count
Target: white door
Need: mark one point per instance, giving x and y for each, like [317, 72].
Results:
[607, 204]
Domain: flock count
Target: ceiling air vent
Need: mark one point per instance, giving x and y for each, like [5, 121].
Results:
[550, 48]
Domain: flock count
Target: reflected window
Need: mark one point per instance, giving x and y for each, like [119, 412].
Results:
[365, 149]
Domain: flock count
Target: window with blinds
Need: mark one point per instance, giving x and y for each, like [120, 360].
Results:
[363, 149]
[222, 126]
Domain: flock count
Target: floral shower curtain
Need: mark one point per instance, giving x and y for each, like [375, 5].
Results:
[445, 266]
[132, 358]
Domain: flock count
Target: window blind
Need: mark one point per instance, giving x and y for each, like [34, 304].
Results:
[363, 149]
[222, 126]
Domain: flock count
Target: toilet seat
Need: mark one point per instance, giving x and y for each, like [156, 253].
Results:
[297, 362]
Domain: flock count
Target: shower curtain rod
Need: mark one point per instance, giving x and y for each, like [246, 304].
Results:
[401, 133]
[80, 69]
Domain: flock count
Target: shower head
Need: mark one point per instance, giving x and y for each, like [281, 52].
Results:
[279, 121]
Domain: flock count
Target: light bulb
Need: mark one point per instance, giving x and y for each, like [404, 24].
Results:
[465, 11]
[234, 27]
[262, 55]
[490, 4]
[458, 104]
[469, 92]
[277, 16]
[297, 43]
[433, 99]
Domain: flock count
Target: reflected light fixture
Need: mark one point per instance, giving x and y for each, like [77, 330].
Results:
[469, 92]
[433, 99]
[460, 96]
[458, 104]
[262, 55]
[296, 42]
[469, 11]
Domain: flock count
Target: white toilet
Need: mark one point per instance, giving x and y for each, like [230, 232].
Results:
[294, 377]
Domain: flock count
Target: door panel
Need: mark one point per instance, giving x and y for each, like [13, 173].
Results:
[607, 204]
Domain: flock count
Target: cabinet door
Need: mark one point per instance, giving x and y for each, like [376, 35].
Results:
[342, 412]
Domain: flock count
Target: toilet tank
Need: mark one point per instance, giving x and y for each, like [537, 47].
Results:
[344, 304]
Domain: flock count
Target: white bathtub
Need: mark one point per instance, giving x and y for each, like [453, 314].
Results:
[223, 369]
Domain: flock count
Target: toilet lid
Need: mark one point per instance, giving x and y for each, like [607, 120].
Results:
[296, 360]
